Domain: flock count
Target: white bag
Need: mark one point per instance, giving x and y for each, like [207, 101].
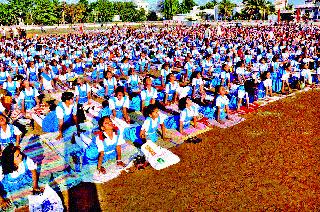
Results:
[47, 201]
[158, 157]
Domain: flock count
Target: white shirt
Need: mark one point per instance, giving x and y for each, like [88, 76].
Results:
[134, 78]
[108, 142]
[192, 112]
[10, 84]
[7, 134]
[267, 83]
[66, 110]
[222, 100]
[2, 108]
[153, 93]
[28, 93]
[111, 81]
[21, 169]
[196, 81]
[113, 102]
[84, 87]
[165, 73]
[170, 87]
[153, 122]
[240, 71]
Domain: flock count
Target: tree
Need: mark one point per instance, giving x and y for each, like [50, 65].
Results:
[209, 5]
[44, 12]
[189, 4]
[258, 9]
[152, 16]
[6, 18]
[226, 8]
[104, 11]
[170, 8]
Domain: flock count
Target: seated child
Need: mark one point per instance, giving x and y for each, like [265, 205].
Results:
[16, 171]
[268, 84]
[188, 113]
[119, 104]
[150, 126]
[8, 133]
[172, 86]
[149, 94]
[106, 145]
[222, 104]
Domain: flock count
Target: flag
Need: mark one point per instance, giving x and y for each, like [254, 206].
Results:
[298, 15]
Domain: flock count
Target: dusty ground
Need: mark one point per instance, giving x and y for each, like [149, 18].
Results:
[271, 161]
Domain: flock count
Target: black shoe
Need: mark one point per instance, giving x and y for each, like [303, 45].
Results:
[196, 140]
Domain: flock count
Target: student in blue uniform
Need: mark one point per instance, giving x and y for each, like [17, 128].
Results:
[110, 84]
[119, 104]
[82, 92]
[106, 145]
[149, 94]
[222, 104]
[11, 86]
[66, 112]
[28, 97]
[125, 67]
[16, 171]
[188, 113]
[150, 126]
[133, 82]
[9, 134]
[172, 87]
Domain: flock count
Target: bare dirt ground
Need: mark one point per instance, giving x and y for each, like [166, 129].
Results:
[271, 161]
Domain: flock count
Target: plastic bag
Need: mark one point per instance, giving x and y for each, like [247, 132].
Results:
[45, 202]
[158, 157]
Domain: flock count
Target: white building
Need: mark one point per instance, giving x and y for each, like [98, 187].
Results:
[196, 13]
[280, 4]
[311, 9]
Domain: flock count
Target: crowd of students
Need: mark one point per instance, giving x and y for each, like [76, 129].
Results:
[145, 69]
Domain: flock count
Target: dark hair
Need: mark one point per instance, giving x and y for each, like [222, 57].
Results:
[217, 88]
[119, 89]
[168, 77]
[105, 103]
[100, 124]
[182, 103]
[194, 75]
[67, 96]
[149, 109]
[7, 159]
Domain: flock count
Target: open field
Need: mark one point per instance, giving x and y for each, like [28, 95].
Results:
[271, 161]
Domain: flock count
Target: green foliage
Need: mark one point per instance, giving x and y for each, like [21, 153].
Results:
[170, 8]
[209, 5]
[226, 8]
[258, 9]
[152, 16]
[49, 12]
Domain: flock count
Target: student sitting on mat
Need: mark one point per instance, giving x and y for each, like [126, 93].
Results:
[149, 94]
[150, 126]
[8, 133]
[16, 171]
[106, 145]
[172, 86]
[222, 104]
[119, 104]
[66, 112]
[188, 113]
